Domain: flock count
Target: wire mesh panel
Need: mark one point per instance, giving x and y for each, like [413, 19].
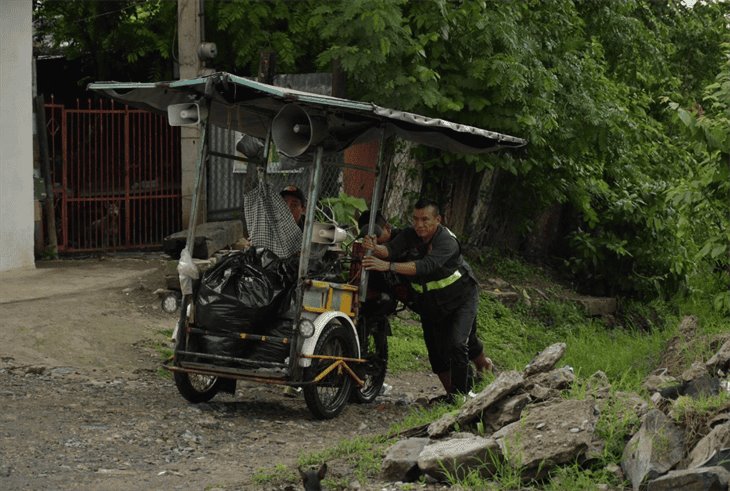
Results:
[228, 180]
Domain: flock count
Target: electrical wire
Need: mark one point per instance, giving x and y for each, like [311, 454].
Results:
[85, 19]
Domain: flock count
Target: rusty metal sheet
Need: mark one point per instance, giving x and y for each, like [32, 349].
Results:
[249, 106]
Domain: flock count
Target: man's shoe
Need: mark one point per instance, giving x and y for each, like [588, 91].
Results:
[385, 389]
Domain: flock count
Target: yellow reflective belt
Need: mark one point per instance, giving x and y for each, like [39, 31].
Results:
[437, 284]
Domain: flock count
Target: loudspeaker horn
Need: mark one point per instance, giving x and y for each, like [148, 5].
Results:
[327, 233]
[294, 130]
[188, 114]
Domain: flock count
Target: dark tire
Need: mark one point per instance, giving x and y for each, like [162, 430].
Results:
[327, 398]
[193, 387]
[197, 388]
[377, 364]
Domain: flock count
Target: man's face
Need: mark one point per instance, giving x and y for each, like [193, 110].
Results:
[295, 206]
[384, 234]
[425, 222]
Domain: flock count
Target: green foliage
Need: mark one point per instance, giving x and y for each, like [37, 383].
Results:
[703, 194]
[114, 39]
[344, 209]
[644, 189]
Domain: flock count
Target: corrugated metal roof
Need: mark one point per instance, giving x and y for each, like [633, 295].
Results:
[250, 106]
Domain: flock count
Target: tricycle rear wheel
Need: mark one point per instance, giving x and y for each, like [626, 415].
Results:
[195, 387]
[328, 397]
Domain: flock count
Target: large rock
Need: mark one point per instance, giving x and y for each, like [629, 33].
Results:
[506, 411]
[505, 384]
[711, 450]
[653, 450]
[598, 386]
[560, 378]
[630, 402]
[700, 479]
[598, 306]
[698, 382]
[548, 435]
[457, 456]
[545, 360]
[721, 359]
[401, 460]
[442, 426]
[660, 381]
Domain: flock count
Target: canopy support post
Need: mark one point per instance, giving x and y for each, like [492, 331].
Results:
[374, 206]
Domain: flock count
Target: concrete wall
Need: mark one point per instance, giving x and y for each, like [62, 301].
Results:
[16, 135]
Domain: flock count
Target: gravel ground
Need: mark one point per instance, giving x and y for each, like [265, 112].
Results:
[84, 405]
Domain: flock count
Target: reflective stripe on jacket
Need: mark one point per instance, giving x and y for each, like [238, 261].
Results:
[437, 284]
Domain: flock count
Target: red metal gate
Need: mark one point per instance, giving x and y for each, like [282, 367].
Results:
[116, 176]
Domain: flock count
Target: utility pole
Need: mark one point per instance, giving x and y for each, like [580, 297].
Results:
[190, 36]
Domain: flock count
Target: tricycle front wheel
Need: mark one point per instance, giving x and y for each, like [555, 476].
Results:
[327, 397]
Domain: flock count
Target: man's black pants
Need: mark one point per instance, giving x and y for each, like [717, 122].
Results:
[447, 339]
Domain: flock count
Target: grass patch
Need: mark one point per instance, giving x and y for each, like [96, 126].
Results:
[512, 337]
[274, 476]
[406, 348]
[363, 455]
[164, 349]
[694, 413]
[573, 478]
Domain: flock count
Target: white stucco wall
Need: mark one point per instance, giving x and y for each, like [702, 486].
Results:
[16, 135]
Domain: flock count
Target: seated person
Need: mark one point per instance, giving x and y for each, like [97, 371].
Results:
[295, 200]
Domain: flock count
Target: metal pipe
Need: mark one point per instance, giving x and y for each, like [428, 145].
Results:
[374, 204]
[315, 184]
[198, 189]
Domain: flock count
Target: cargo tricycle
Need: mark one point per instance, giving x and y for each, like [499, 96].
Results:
[291, 309]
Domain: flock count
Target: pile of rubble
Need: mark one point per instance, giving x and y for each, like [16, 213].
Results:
[523, 421]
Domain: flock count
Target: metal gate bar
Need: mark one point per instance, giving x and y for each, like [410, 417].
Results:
[116, 174]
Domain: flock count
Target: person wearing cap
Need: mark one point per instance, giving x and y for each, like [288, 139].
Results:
[295, 200]
[446, 292]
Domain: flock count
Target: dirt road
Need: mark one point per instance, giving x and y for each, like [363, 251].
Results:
[84, 406]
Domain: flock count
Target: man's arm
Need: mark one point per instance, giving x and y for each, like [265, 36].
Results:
[443, 248]
[380, 251]
[372, 263]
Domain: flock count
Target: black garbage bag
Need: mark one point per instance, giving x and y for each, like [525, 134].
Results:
[273, 350]
[243, 290]
[224, 346]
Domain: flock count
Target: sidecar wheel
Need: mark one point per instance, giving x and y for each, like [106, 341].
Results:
[328, 397]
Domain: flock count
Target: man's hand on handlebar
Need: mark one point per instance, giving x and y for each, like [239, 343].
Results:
[372, 263]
